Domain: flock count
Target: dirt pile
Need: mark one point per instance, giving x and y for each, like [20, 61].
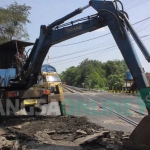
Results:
[36, 132]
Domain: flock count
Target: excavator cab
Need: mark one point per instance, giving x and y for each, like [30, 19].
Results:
[9, 63]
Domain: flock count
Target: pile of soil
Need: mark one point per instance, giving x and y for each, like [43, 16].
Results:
[63, 131]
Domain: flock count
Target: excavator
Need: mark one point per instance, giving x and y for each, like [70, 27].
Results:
[109, 13]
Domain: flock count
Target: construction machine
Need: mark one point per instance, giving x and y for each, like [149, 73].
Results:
[27, 101]
[108, 14]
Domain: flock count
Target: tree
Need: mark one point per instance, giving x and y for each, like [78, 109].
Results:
[116, 80]
[96, 74]
[70, 76]
[12, 22]
[115, 67]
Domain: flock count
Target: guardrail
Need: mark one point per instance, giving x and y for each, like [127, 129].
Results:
[83, 89]
[134, 93]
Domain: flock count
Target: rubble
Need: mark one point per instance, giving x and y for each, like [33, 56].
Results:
[43, 137]
[49, 131]
[89, 138]
[5, 144]
[77, 132]
[81, 132]
[18, 127]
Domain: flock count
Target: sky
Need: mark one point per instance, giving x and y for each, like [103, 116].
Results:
[44, 12]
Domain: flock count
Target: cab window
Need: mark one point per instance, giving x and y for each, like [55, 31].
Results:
[53, 79]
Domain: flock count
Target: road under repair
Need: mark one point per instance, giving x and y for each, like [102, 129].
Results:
[57, 133]
[98, 130]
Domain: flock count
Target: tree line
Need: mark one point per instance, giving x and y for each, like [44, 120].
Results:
[96, 74]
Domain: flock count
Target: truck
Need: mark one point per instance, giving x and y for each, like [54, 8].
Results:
[48, 84]
[108, 14]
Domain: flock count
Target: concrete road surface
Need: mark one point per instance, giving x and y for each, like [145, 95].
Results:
[78, 105]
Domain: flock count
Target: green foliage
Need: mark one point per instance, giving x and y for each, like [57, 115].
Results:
[71, 76]
[114, 67]
[95, 74]
[12, 22]
[116, 80]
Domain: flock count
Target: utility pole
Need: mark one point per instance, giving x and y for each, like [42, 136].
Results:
[48, 59]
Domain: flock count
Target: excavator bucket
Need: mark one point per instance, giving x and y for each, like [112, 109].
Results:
[140, 137]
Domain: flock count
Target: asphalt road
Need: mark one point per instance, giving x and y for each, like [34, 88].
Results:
[83, 104]
[79, 105]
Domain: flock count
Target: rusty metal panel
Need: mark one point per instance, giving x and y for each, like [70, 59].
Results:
[30, 93]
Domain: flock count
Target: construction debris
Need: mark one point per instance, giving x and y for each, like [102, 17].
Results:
[81, 132]
[69, 132]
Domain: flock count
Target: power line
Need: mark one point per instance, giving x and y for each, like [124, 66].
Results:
[81, 51]
[90, 54]
[141, 21]
[136, 4]
[85, 54]
[145, 36]
[89, 49]
[130, 4]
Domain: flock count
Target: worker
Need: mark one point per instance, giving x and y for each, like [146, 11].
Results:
[21, 55]
[20, 60]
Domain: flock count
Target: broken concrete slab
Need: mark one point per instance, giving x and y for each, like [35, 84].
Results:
[43, 137]
[17, 127]
[81, 132]
[49, 131]
[90, 138]
[5, 144]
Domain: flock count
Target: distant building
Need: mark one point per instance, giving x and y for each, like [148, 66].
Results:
[129, 80]
[148, 77]
[130, 84]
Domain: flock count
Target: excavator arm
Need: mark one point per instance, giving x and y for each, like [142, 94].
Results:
[59, 35]
[109, 15]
